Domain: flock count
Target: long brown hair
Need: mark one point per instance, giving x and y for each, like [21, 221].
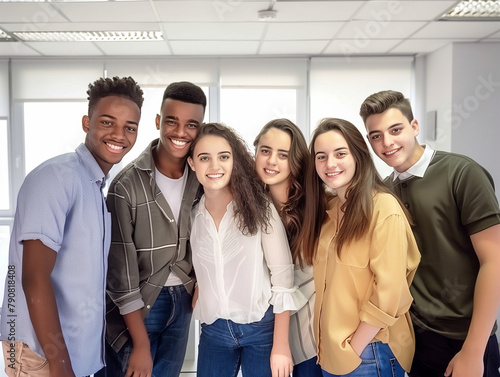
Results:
[292, 212]
[251, 203]
[358, 207]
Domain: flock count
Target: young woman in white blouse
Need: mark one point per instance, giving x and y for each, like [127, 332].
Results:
[242, 262]
[281, 157]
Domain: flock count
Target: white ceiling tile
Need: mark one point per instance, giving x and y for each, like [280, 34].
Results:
[107, 12]
[29, 13]
[159, 48]
[419, 46]
[214, 48]
[403, 10]
[214, 31]
[376, 30]
[209, 11]
[65, 48]
[86, 26]
[316, 10]
[458, 29]
[16, 49]
[349, 47]
[302, 30]
[292, 47]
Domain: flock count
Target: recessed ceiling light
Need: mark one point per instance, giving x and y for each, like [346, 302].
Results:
[267, 15]
[474, 10]
[4, 37]
[89, 36]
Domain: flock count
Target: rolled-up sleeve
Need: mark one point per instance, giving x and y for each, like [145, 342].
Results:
[390, 294]
[285, 296]
[123, 272]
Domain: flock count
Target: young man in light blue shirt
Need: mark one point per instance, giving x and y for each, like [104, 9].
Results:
[52, 321]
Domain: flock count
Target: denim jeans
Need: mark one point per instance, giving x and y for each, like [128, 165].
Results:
[307, 368]
[167, 325]
[225, 346]
[377, 361]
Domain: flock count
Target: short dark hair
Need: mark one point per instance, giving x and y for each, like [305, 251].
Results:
[379, 102]
[125, 87]
[185, 91]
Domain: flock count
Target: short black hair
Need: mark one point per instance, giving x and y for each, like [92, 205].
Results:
[185, 91]
[125, 87]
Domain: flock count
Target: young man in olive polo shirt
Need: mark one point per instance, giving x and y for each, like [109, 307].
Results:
[456, 219]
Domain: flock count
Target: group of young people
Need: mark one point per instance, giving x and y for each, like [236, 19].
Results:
[294, 259]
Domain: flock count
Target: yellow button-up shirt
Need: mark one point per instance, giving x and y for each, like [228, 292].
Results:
[369, 283]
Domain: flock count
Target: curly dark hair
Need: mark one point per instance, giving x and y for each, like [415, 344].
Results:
[251, 203]
[292, 211]
[185, 91]
[125, 87]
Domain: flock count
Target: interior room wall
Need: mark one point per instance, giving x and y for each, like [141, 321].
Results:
[463, 86]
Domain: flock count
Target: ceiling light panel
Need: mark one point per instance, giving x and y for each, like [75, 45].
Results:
[89, 36]
[469, 9]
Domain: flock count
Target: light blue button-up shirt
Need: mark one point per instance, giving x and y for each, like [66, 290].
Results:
[61, 204]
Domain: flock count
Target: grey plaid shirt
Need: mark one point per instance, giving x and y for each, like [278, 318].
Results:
[146, 243]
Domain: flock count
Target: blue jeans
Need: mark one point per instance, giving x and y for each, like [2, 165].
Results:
[307, 368]
[225, 346]
[377, 361]
[167, 325]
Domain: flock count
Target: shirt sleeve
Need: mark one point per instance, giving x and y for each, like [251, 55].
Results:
[389, 296]
[123, 271]
[43, 203]
[285, 296]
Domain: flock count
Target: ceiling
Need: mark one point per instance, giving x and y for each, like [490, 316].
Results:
[229, 28]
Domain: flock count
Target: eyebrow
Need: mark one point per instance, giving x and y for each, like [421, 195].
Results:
[394, 125]
[114, 118]
[335, 150]
[281, 150]
[218, 154]
[177, 119]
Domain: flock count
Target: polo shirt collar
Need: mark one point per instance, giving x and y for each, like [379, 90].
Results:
[419, 168]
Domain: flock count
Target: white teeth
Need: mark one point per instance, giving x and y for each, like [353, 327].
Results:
[115, 147]
[391, 152]
[179, 142]
[270, 171]
[332, 174]
[214, 175]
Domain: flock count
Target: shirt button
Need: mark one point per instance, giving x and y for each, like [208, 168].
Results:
[407, 205]
[405, 185]
[148, 306]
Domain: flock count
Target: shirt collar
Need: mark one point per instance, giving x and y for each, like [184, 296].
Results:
[91, 165]
[419, 168]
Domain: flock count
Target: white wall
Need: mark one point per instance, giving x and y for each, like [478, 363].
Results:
[4, 88]
[476, 104]
[463, 85]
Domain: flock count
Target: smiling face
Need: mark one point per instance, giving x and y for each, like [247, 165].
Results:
[213, 163]
[393, 138]
[178, 124]
[271, 157]
[111, 130]
[334, 162]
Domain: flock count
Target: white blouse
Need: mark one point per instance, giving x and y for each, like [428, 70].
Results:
[240, 276]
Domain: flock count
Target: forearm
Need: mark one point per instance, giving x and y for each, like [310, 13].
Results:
[363, 335]
[280, 337]
[486, 303]
[42, 307]
[137, 329]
